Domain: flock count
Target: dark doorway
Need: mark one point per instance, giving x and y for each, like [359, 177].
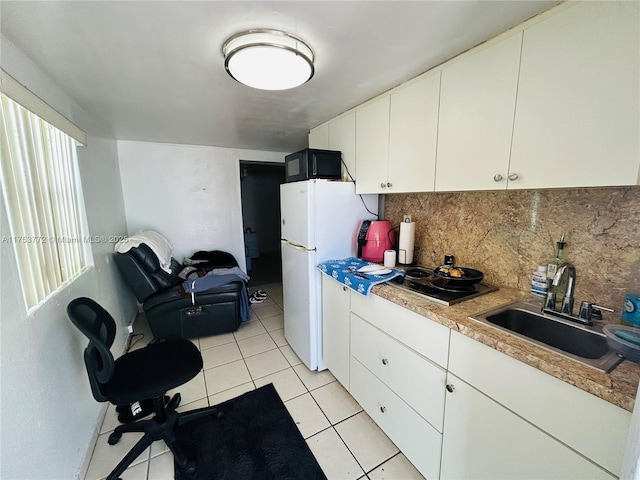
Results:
[260, 191]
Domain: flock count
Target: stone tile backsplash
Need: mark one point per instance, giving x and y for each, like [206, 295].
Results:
[507, 234]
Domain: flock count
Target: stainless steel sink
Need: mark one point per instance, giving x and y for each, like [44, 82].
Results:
[587, 345]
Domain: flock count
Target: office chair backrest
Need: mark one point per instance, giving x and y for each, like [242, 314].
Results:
[100, 328]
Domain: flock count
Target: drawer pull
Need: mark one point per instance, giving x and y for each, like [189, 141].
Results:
[385, 361]
[383, 409]
[450, 388]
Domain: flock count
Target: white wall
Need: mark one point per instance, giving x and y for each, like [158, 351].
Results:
[48, 415]
[190, 194]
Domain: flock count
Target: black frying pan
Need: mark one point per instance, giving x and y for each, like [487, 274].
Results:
[469, 276]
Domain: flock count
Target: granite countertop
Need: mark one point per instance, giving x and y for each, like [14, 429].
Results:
[618, 387]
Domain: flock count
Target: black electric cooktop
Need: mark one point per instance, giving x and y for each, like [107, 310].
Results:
[418, 280]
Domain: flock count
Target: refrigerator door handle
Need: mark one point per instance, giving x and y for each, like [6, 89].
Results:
[297, 246]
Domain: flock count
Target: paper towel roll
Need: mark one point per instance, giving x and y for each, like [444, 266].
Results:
[406, 242]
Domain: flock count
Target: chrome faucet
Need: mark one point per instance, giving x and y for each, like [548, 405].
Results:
[588, 311]
[567, 301]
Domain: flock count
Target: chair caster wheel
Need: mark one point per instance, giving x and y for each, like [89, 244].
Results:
[114, 438]
[190, 468]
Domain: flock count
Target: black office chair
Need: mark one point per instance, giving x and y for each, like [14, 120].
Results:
[147, 373]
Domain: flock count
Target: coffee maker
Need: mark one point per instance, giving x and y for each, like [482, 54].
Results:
[374, 237]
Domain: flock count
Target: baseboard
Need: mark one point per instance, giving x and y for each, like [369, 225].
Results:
[105, 406]
[84, 468]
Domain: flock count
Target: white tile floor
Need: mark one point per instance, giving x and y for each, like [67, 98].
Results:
[344, 440]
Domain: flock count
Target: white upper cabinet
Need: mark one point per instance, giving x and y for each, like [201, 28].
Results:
[342, 137]
[372, 146]
[577, 120]
[477, 105]
[338, 134]
[319, 137]
[396, 138]
[413, 136]
[556, 104]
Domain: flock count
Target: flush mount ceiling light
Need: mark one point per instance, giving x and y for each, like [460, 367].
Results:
[268, 59]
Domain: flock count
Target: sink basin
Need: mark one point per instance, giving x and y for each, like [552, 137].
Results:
[587, 345]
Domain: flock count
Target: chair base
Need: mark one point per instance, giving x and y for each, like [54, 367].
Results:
[138, 410]
[161, 427]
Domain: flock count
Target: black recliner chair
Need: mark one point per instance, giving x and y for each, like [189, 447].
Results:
[147, 373]
[169, 310]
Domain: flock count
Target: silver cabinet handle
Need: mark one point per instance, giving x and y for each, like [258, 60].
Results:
[385, 361]
[389, 184]
[383, 185]
[344, 289]
[513, 176]
[497, 177]
[383, 409]
[450, 388]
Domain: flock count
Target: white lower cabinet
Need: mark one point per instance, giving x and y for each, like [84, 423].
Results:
[420, 383]
[424, 336]
[459, 409]
[484, 440]
[398, 376]
[587, 424]
[417, 440]
[335, 328]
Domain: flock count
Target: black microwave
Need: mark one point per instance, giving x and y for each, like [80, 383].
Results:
[313, 163]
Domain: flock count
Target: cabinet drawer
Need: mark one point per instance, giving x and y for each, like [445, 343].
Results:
[428, 338]
[418, 440]
[594, 427]
[420, 383]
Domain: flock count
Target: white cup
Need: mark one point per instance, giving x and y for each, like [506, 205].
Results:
[389, 258]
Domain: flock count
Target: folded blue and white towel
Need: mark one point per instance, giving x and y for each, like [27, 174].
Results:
[346, 272]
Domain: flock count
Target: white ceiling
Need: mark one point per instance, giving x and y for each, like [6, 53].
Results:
[154, 70]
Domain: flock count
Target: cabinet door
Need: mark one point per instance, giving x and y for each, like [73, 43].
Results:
[579, 420]
[319, 137]
[372, 146]
[483, 440]
[477, 105]
[335, 329]
[413, 136]
[578, 113]
[342, 137]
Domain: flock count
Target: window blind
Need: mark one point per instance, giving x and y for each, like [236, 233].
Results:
[29, 100]
[41, 185]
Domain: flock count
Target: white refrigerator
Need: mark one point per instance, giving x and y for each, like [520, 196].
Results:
[319, 221]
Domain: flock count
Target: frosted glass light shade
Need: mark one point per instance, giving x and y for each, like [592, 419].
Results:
[268, 59]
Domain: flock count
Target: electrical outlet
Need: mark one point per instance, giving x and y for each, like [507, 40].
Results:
[406, 218]
[130, 328]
